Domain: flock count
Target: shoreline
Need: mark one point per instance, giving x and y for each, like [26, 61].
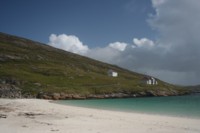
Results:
[64, 96]
[44, 116]
[128, 111]
[136, 106]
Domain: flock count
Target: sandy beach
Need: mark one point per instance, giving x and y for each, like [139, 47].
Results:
[42, 116]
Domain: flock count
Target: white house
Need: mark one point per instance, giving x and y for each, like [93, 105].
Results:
[112, 73]
[150, 81]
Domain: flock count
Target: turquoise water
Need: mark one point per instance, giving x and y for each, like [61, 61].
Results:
[183, 106]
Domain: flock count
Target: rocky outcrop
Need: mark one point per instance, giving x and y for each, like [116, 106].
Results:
[54, 96]
[78, 97]
[10, 81]
[9, 91]
[149, 93]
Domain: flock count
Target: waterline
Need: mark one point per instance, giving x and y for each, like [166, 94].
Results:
[182, 106]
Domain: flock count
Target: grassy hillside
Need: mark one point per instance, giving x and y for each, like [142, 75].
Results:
[36, 67]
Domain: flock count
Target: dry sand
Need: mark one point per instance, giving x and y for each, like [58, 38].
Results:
[42, 116]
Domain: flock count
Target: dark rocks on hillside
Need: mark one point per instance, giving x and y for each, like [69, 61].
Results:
[55, 96]
[92, 96]
[65, 96]
[10, 81]
[60, 96]
[68, 96]
[46, 97]
[42, 95]
[38, 84]
[4, 57]
[9, 91]
[78, 97]
[28, 95]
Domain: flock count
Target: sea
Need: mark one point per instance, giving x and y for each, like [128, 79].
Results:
[181, 106]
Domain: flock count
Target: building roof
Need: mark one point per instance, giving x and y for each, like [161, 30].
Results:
[148, 78]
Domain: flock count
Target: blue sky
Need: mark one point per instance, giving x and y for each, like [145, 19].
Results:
[95, 22]
[154, 37]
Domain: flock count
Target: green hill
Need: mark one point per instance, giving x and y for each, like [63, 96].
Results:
[35, 68]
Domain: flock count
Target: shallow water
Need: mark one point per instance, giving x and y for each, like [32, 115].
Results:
[183, 106]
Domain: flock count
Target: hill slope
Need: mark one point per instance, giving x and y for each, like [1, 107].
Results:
[34, 68]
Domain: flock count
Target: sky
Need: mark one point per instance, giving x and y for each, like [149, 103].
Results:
[155, 37]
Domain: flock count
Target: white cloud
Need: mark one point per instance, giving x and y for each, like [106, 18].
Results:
[68, 42]
[121, 46]
[110, 54]
[143, 42]
[157, 2]
[105, 54]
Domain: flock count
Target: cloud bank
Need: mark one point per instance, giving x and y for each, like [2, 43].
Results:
[174, 56]
[68, 42]
[144, 42]
[178, 24]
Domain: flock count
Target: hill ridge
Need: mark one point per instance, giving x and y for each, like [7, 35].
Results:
[37, 69]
